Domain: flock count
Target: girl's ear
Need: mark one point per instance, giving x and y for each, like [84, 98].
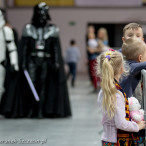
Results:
[123, 39]
[122, 69]
[139, 58]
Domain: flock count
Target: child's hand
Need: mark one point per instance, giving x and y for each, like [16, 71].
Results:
[141, 125]
[141, 111]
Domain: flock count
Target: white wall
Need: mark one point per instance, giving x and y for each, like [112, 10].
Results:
[62, 16]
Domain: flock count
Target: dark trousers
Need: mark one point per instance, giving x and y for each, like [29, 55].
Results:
[95, 78]
[72, 71]
[38, 73]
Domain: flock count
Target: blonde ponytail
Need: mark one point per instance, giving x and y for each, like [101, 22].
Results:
[110, 63]
[108, 88]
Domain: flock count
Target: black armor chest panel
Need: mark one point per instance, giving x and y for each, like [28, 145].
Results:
[40, 39]
[41, 42]
[38, 33]
[45, 46]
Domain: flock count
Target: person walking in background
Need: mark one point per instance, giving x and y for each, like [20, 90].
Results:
[72, 57]
[116, 120]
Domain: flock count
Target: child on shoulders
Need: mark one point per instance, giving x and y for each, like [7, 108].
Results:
[134, 50]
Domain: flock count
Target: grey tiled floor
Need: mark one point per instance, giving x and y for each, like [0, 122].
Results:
[82, 129]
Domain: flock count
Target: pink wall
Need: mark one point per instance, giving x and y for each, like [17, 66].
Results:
[108, 3]
[62, 16]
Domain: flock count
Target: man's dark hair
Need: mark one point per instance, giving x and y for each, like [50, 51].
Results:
[72, 42]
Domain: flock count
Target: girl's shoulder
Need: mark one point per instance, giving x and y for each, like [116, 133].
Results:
[119, 94]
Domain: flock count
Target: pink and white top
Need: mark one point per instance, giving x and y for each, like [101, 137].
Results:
[110, 126]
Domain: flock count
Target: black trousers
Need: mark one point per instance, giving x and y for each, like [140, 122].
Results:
[38, 71]
[72, 71]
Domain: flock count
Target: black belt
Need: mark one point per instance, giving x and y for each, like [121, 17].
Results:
[41, 54]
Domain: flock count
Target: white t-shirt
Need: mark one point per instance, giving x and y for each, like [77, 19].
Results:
[92, 43]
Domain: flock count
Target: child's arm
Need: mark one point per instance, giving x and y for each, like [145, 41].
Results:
[137, 67]
[120, 121]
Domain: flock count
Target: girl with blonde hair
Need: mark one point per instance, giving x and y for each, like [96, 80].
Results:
[117, 125]
[102, 35]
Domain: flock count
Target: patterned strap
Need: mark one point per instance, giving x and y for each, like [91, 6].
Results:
[126, 103]
[124, 137]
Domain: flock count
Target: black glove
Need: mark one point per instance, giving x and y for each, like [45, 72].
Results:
[13, 70]
[24, 67]
[56, 66]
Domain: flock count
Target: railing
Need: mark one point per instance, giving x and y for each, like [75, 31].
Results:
[143, 74]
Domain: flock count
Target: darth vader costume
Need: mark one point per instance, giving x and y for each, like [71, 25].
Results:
[41, 56]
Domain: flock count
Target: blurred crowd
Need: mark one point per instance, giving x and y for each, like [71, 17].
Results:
[96, 43]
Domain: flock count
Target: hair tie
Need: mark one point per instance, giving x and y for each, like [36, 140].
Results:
[108, 54]
[108, 57]
[111, 50]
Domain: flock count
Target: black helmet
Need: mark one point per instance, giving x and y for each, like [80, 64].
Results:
[40, 15]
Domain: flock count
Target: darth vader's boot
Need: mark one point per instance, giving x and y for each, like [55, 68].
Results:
[40, 114]
[35, 110]
[41, 103]
[1, 94]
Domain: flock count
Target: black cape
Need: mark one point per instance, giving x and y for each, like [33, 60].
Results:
[57, 101]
